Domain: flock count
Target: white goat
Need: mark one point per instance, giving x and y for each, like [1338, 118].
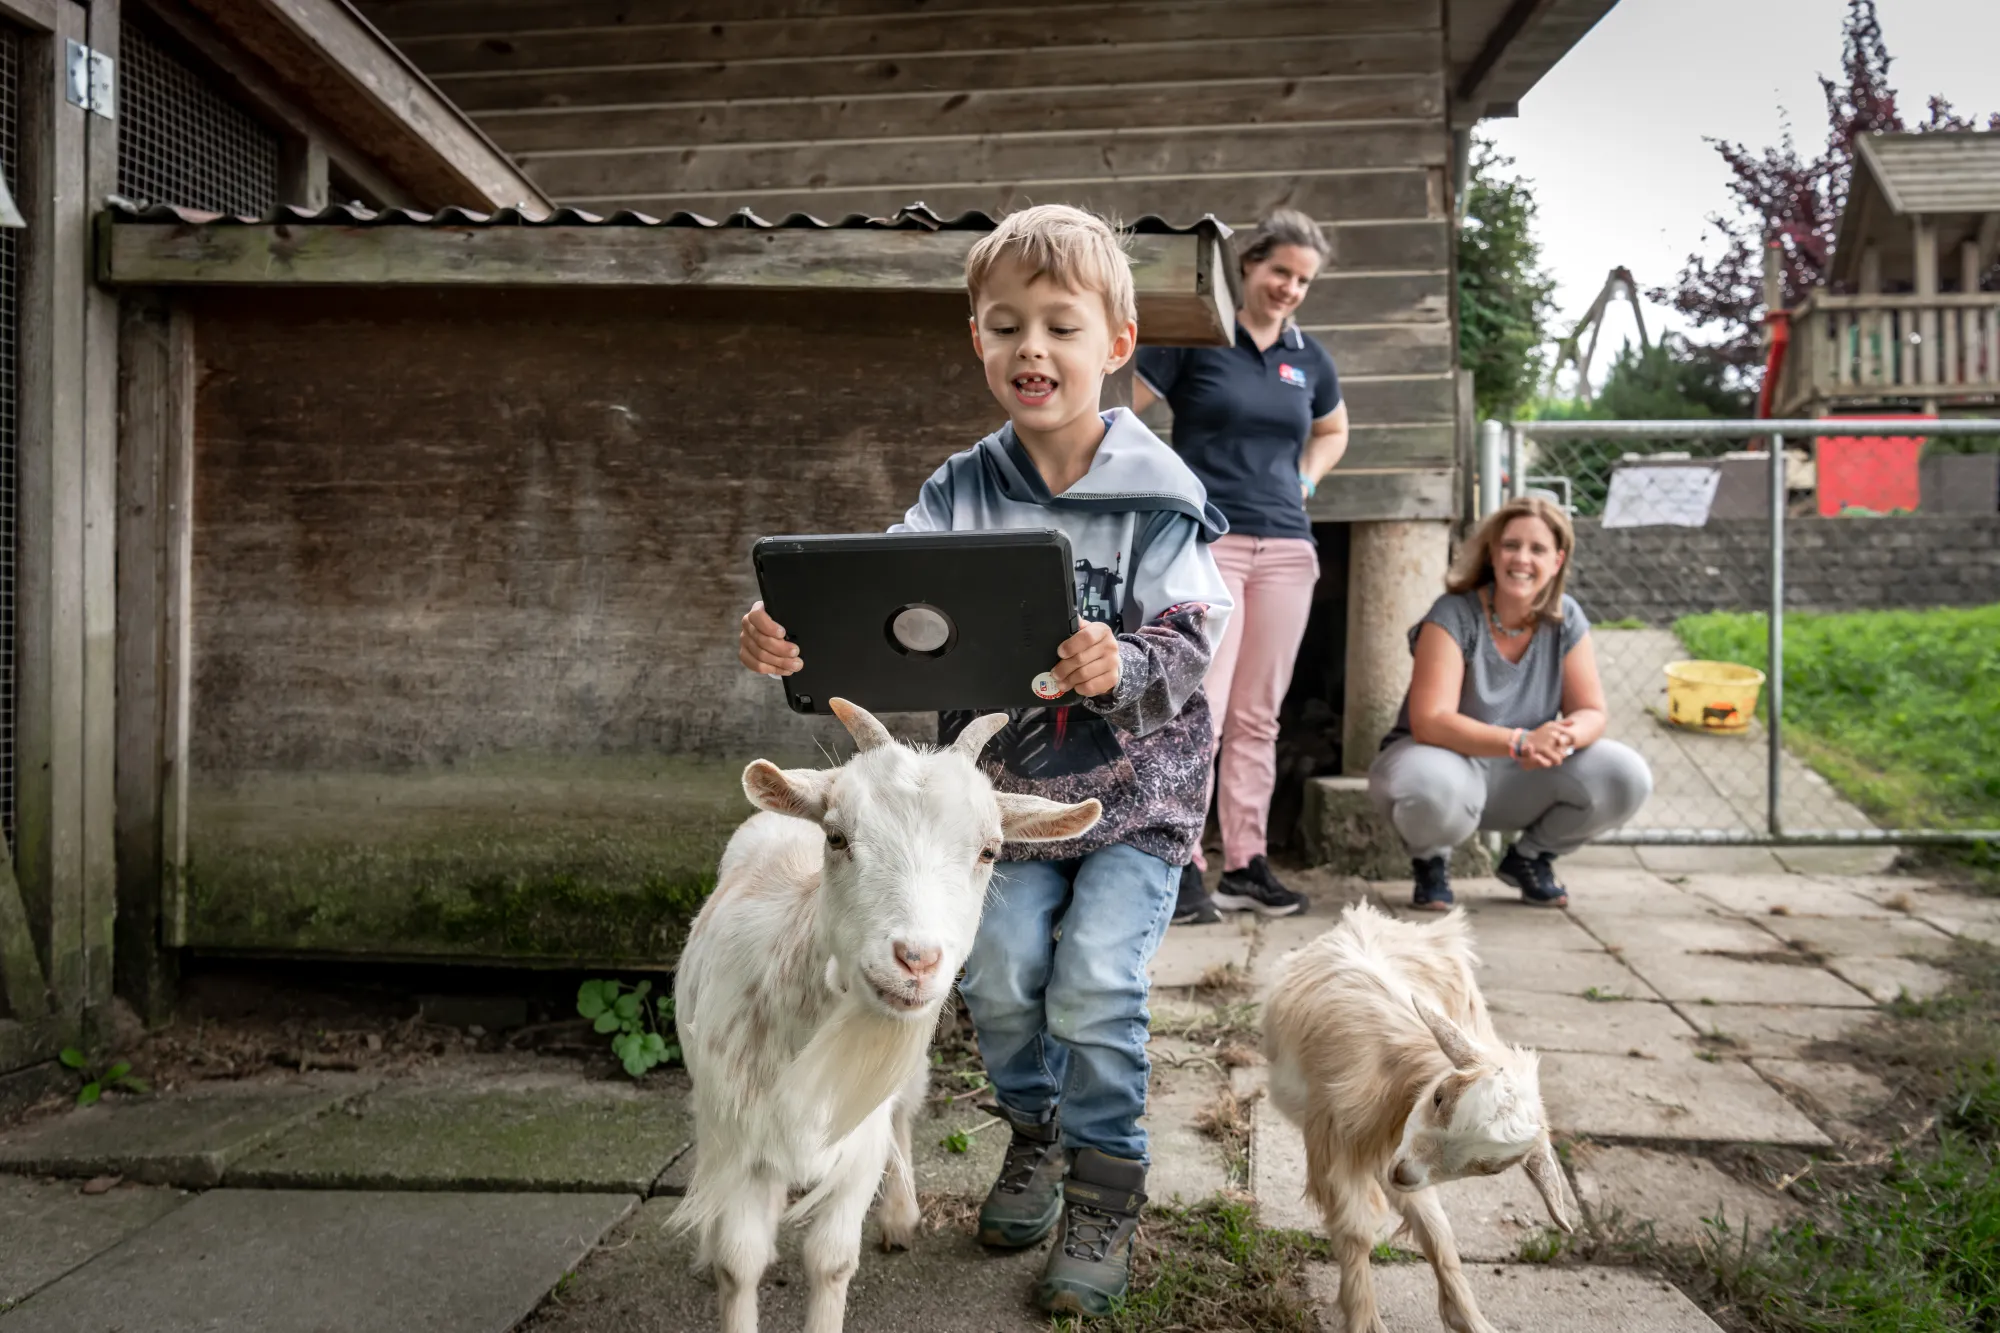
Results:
[810, 988]
[1383, 1055]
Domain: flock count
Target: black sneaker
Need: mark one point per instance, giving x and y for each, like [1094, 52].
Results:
[1025, 1202]
[1433, 884]
[1255, 889]
[1535, 879]
[1194, 907]
[1089, 1269]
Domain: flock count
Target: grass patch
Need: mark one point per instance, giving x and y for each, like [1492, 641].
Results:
[1212, 1267]
[1907, 1241]
[1900, 710]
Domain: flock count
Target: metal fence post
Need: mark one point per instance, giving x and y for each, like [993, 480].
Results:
[1491, 433]
[1775, 675]
[1517, 461]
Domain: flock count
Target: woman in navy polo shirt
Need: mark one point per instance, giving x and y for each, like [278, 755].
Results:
[1260, 423]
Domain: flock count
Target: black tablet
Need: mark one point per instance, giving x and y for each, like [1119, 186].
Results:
[906, 622]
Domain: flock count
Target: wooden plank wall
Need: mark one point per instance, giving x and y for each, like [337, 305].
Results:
[1175, 107]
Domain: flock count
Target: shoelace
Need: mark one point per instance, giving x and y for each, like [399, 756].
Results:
[1090, 1233]
[1017, 1169]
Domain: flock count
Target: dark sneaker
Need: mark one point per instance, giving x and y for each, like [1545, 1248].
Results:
[1194, 907]
[1535, 879]
[1255, 889]
[1024, 1203]
[1433, 884]
[1090, 1266]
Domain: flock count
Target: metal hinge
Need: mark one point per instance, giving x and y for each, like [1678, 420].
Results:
[91, 79]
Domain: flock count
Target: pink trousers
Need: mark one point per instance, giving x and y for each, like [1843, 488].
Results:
[1271, 580]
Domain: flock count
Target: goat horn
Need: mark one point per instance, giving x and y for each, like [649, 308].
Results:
[1451, 1039]
[1547, 1173]
[972, 741]
[861, 724]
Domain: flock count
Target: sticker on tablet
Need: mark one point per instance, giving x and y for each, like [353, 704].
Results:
[1046, 686]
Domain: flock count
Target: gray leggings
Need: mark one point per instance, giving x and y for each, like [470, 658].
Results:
[1436, 798]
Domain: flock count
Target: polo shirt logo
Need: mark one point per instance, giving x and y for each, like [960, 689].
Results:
[1292, 375]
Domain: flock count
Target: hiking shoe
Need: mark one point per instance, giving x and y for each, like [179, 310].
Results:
[1089, 1268]
[1025, 1202]
[1255, 889]
[1535, 879]
[1433, 884]
[1194, 907]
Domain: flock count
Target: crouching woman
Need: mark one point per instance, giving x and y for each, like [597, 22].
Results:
[1503, 727]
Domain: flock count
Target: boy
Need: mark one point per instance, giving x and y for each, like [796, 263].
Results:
[1056, 981]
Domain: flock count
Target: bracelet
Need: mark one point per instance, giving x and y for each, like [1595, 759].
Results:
[1514, 744]
[1310, 485]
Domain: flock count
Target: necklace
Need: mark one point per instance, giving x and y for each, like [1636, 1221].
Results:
[1493, 619]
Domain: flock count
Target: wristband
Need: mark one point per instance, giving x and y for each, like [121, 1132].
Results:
[1514, 744]
[1310, 485]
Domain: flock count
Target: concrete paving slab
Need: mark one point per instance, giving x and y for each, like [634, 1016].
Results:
[1278, 1171]
[1187, 1164]
[47, 1228]
[1693, 977]
[1724, 1102]
[1491, 1216]
[1952, 912]
[331, 1261]
[1862, 937]
[1572, 1023]
[1587, 908]
[592, 1138]
[1624, 1188]
[640, 1281]
[968, 1174]
[1632, 933]
[1710, 860]
[1606, 884]
[1188, 953]
[1783, 1031]
[1512, 926]
[188, 1139]
[1552, 972]
[1837, 860]
[1781, 895]
[1604, 856]
[1840, 1091]
[1886, 979]
[1524, 1298]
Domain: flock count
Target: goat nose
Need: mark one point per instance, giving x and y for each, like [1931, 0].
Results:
[919, 963]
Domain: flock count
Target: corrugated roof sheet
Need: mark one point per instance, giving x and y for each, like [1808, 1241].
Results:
[915, 217]
[1952, 171]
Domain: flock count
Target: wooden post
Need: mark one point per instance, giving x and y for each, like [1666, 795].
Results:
[156, 428]
[1875, 344]
[1923, 245]
[302, 172]
[99, 371]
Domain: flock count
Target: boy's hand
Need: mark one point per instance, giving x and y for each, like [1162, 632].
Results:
[763, 647]
[1089, 664]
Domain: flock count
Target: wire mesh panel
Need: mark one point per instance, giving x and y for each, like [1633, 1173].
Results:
[181, 142]
[10, 344]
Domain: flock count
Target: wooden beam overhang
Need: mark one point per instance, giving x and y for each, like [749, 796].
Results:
[1181, 280]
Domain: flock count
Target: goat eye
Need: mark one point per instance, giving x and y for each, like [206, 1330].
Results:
[836, 841]
[1438, 1101]
[988, 855]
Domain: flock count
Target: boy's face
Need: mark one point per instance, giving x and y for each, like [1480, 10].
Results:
[1046, 348]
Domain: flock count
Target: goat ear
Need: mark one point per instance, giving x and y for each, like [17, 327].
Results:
[972, 741]
[1451, 1039]
[1547, 1173]
[800, 792]
[1032, 819]
[861, 724]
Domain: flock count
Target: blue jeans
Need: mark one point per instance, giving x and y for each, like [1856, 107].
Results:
[1056, 984]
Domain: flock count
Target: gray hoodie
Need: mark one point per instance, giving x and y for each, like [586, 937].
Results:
[1139, 525]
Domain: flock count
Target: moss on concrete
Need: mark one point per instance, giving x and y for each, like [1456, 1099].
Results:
[563, 861]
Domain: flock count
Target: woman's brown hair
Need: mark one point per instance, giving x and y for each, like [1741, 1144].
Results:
[1285, 226]
[1473, 568]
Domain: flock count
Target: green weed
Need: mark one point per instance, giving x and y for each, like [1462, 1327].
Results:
[639, 1031]
[95, 1082]
[1213, 1267]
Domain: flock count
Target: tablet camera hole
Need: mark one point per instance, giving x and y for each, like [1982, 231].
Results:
[921, 630]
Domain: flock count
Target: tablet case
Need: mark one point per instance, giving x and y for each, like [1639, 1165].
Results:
[921, 621]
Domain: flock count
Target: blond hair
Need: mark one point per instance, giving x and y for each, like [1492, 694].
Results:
[1069, 247]
[1473, 568]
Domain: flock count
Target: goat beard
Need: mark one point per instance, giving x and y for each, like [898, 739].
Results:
[857, 1060]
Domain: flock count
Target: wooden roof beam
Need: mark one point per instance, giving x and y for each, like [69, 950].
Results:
[1181, 280]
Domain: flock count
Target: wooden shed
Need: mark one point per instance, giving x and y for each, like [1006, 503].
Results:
[220, 104]
[1911, 313]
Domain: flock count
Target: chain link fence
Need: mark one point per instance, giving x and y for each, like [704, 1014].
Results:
[1694, 539]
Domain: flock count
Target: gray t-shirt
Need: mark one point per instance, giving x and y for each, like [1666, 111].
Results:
[1526, 693]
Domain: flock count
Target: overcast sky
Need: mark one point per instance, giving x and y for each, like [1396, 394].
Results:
[1613, 136]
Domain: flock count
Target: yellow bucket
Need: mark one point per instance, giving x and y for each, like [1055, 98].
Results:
[1712, 696]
